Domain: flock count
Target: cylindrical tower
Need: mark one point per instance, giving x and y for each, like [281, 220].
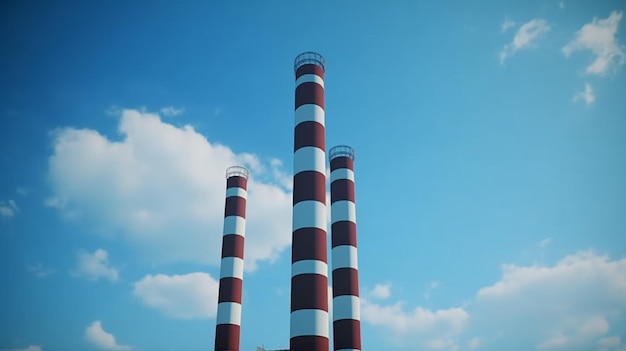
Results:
[309, 269]
[345, 274]
[231, 269]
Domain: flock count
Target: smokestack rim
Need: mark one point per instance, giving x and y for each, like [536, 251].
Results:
[341, 151]
[237, 171]
[309, 57]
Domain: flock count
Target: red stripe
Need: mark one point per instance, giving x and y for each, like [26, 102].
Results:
[227, 337]
[342, 189]
[309, 133]
[341, 162]
[309, 185]
[230, 290]
[309, 291]
[237, 182]
[345, 282]
[347, 334]
[309, 69]
[343, 233]
[232, 246]
[309, 244]
[309, 93]
[308, 343]
[235, 206]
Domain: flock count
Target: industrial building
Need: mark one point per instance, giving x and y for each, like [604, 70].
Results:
[309, 319]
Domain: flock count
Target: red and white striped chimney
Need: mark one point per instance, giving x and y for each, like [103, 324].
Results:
[309, 269]
[345, 274]
[228, 326]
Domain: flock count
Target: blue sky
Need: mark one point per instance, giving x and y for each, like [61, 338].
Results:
[490, 143]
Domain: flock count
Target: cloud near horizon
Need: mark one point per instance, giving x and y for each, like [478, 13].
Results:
[162, 188]
[576, 304]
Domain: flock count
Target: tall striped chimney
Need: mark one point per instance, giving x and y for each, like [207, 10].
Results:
[231, 269]
[345, 274]
[309, 269]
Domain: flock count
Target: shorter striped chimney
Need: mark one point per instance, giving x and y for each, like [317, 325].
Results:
[228, 326]
[345, 274]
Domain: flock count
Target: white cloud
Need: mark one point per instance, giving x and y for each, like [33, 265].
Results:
[587, 95]
[572, 305]
[186, 296]
[561, 4]
[381, 291]
[416, 327]
[566, 306]
[8, 209]
[599, 37]
[171, 111]
[507, 24]
[99, 337]
[525, 37]
[29, 348]
[162, 188]
[95, 266]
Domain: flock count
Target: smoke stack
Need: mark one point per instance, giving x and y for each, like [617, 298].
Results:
[309, 269]
[228, 326]
[346, 308]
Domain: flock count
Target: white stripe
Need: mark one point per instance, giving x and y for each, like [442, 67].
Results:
[342, 173]
[305, 78]
[231, 267]
[229, 313]
[348, 350]
[235, 225]
[309, 322]
[345, 256]
[236, 191]
[346, 307]
[309, 267]
[308, 214]
[309, 112]
[343, 211]
[309, 158]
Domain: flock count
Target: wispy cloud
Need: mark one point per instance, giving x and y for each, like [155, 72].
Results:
[587, 95]
[599, 38]
[507, 24]
[8, 209]
[95, 334]
[29, 348]
[95, 265]
[525, 37]
[185, 296]
[171, 111]
[40, 271]
[545, 242]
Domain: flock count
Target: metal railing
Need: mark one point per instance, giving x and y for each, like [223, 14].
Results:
[341, 151]
[309, 57]
[235, 171]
